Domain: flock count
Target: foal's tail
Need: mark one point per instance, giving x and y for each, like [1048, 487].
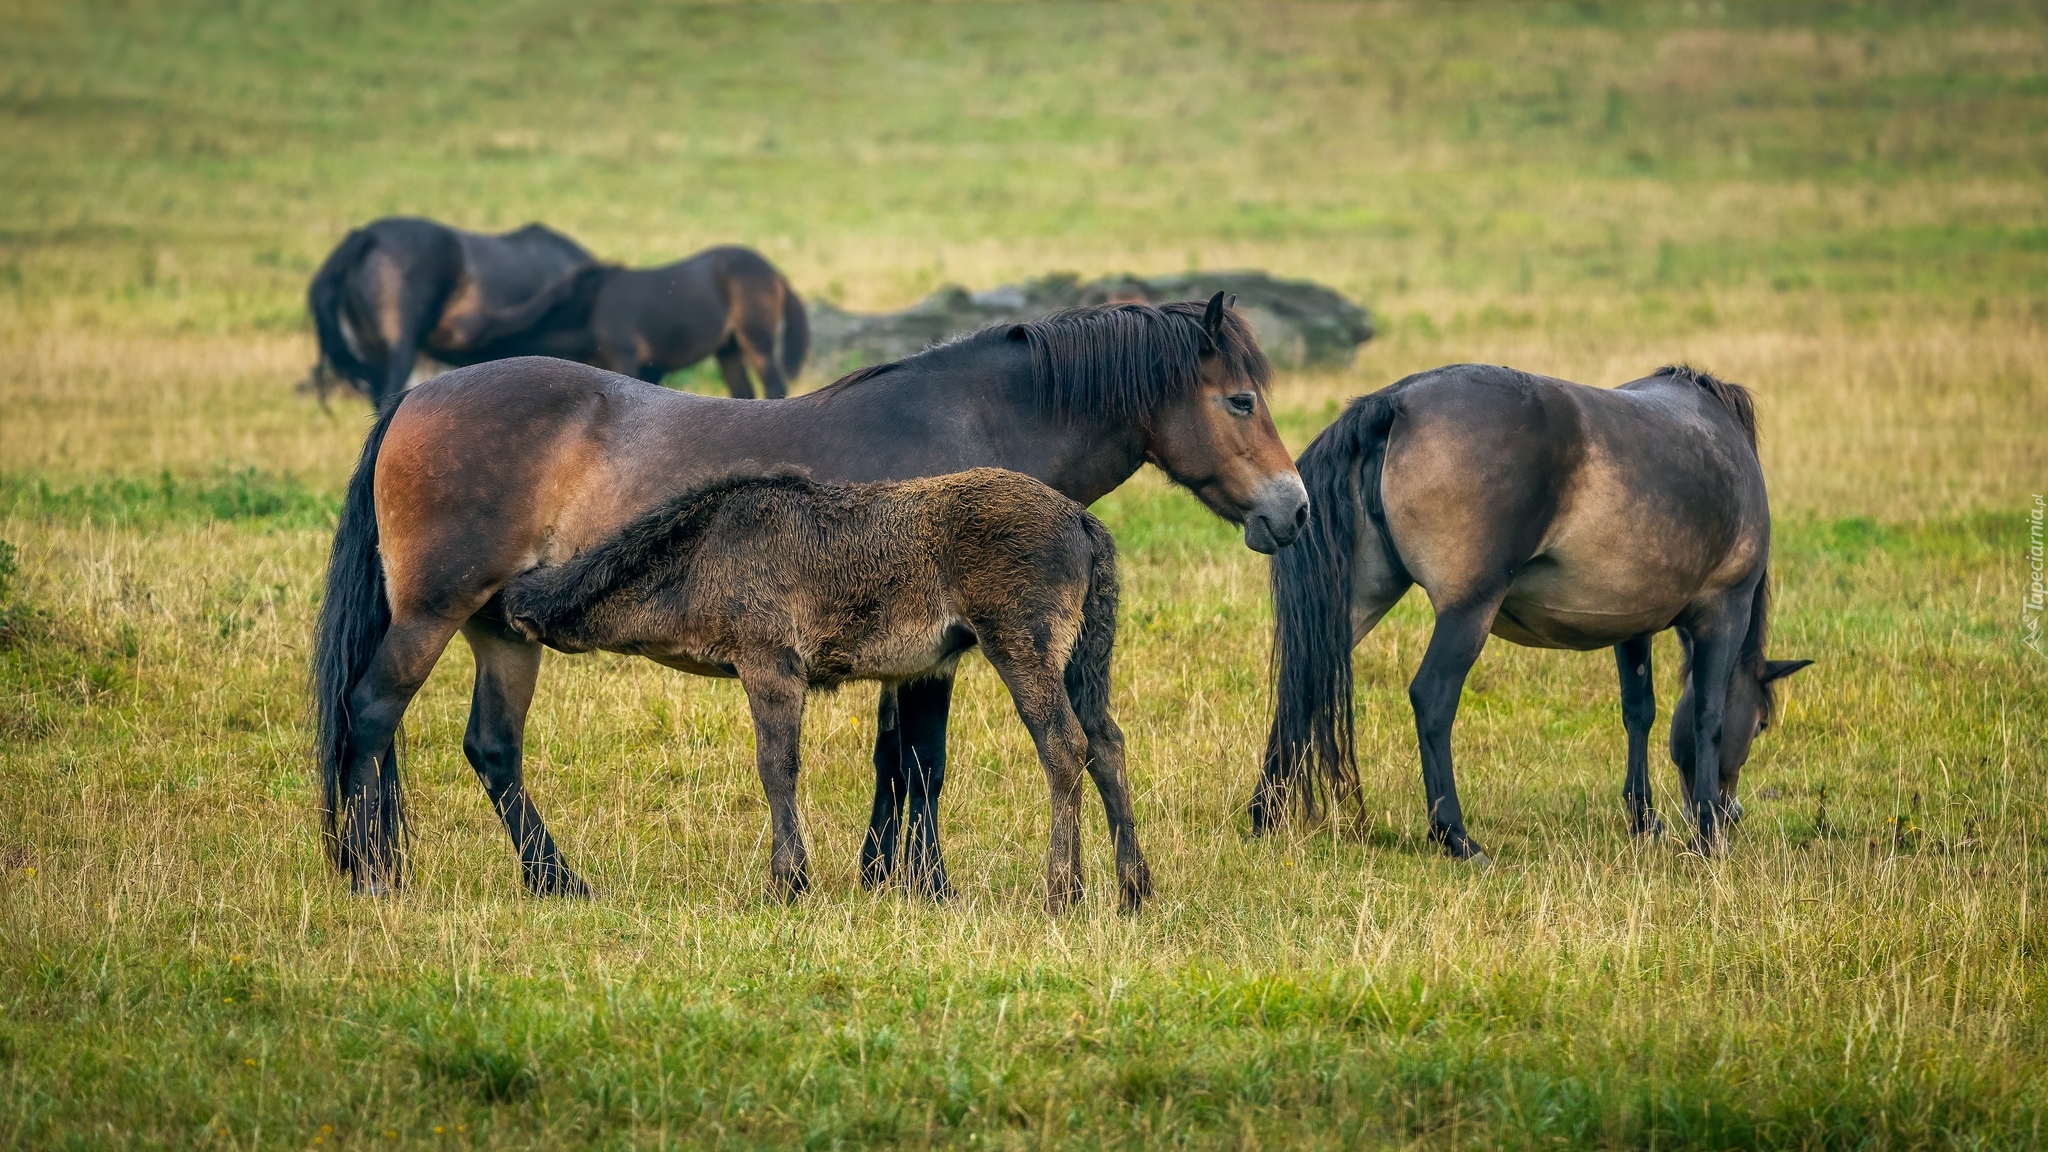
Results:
[354, 615]
[323, 300]
[1088, 664]
[796, 332]
[1309, 746]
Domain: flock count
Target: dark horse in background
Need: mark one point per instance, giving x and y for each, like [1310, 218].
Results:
[1552, 515]
[790, 585]
[403, 287]
[727, 302]
[485, 473]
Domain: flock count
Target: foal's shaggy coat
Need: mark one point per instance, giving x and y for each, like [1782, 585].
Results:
[790, 584]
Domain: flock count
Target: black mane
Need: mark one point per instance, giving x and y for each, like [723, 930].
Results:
[1731, 395]
[1122, 361]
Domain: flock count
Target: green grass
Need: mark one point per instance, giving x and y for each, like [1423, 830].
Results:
[1837, 204]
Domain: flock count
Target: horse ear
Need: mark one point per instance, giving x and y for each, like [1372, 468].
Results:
[1779, 669]
[1232, 302]
[1212, 320]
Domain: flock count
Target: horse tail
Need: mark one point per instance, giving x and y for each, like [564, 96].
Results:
[1310, 741]
[354, 616]
[323, 300]
[1088, 664]
[796, 332]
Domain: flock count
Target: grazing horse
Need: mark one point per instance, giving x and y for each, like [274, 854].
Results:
[1552, 515]
[487, 472]
[648, 322]
[401, 287]
[790, 585]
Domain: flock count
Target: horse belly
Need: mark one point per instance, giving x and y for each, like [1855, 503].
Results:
[1556, 603]
[908, 653]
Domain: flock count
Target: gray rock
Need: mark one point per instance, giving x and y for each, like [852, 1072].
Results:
[1300, 324]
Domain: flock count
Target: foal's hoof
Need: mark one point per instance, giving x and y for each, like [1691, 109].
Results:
[1648, 829]
[556, 880]
[789, 888]
[371, 886]
[1134, 888]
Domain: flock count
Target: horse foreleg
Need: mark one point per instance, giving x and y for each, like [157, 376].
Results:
[756, 338]
[775, 695]
[1638, 712]
[1453, 646]
[506, 668]
[922, 707]
[878, 849]
[1716, 641]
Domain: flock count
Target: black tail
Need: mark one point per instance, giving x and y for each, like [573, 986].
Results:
[354, 615]
[1088, 664]
[1310, 742]
[323, 300]
[796, 333]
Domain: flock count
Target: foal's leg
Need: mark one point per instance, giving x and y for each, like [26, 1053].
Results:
[922, 707]
[775, 695]
[1038, 689]
[1459, 635]
[371, 812]
[1638, 712]
[1106, 768]
[1716, 641]
[732, 364]
[878, 849]
[506, 668]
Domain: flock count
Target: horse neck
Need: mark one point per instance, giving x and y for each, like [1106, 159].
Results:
[993, 416]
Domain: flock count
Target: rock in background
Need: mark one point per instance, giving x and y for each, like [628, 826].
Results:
[1299, 324]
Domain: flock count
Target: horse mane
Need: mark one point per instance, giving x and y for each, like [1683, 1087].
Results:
[1118, 360]
[1732, 396]
[664, 537]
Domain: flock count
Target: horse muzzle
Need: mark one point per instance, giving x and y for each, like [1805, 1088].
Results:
[1278, 516]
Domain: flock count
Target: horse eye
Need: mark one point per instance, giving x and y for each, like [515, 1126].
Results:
[1243, 403]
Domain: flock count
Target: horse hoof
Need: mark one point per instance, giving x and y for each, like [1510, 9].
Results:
[555, 880]
[373, 888]
[1479, 861]
[1651, 829]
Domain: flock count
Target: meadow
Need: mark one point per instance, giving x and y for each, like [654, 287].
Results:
[1840, 205]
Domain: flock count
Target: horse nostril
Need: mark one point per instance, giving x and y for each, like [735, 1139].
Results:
[1301, 517]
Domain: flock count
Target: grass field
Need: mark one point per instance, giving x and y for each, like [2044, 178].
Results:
[1841, 206]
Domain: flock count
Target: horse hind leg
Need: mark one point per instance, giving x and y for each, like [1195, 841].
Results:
[506, 669]
[732, 365]
[1638, 713]
[759, 315]
[372, 807]
[1106, 768]
[1037, 688]
[1454, 645]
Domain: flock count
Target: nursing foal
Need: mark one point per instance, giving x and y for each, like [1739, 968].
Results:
[790, 585]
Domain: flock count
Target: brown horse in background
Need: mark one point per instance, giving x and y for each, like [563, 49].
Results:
[485, 473]
[402, 287]
[791, 585]
[727, 302]
[1551, 515]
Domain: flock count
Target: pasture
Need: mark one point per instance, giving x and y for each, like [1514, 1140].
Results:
[1841, 207]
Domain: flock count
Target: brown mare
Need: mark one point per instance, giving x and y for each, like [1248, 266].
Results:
[487, 472]
[648, 322]
[402, 287]
[791, 585]
[1551, 515]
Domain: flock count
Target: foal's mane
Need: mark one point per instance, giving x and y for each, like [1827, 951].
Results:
[662, 538]
[1117, 360]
